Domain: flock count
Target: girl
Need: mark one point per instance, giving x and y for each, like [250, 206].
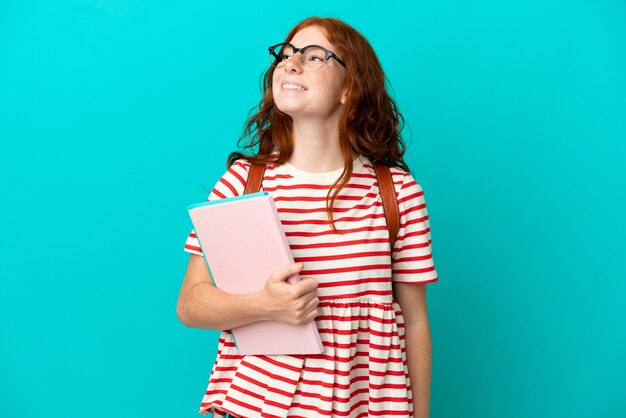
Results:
[324, 119]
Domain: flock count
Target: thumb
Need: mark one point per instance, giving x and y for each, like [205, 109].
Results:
[285, 272]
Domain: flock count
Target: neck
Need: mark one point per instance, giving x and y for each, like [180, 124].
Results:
[316, 145]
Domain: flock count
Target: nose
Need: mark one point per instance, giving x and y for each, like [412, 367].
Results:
[295, 63]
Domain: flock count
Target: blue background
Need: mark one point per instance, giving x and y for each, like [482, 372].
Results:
[115, 115]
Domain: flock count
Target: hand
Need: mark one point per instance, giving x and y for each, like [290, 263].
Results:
[291, 303]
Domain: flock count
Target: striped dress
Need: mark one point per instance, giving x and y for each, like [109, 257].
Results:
[362, 371]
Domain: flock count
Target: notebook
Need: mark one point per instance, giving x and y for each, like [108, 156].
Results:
[243, 243]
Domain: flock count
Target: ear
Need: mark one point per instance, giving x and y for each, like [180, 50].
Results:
[344, 96]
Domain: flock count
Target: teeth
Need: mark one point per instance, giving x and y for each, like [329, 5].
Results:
[293, 87]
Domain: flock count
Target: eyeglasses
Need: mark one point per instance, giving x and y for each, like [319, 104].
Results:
[312, 57]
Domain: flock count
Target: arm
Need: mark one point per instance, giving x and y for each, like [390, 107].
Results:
[412, 300]
[202, 305]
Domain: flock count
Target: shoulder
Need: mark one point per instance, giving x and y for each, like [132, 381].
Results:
[402, 179]
[233, 181]
[242, 165]
[404, 183]
[239, 169]
[238, 174]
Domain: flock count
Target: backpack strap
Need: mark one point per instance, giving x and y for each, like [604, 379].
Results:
[255, 177]
[390, 201]
[385, 185]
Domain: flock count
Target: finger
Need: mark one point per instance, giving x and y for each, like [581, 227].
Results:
[303, 287]
[312, 304]
[311, 316]
[285, 272]
[309, 295]
[307, 284]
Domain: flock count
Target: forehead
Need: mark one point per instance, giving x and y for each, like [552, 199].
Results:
[311, 35]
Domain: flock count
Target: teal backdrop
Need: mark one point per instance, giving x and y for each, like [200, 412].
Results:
[115, 115]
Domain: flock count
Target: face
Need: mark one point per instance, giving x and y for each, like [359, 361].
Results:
[322, 94]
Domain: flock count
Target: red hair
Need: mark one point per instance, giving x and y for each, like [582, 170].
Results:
[370, 123]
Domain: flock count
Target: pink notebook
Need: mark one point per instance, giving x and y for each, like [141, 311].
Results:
[243, 242]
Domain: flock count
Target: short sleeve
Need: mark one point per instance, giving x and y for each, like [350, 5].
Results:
[231, 184]
[412, 253]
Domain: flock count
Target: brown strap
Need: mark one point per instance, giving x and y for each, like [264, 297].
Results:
[390, 201]
[385, 185]
[255, 177]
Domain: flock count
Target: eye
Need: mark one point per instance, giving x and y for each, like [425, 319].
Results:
[315, 58]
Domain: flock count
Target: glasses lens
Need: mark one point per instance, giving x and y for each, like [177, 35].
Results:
[281, 54]
[313, 58]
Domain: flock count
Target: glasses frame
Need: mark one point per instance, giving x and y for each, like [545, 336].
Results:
[329, 54]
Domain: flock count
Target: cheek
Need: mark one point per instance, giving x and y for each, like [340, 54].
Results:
[332, 86]
[275, 90]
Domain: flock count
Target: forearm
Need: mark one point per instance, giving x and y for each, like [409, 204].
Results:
[205, 306]
[419, 360]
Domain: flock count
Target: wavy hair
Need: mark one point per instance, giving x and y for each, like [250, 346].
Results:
[370, 122]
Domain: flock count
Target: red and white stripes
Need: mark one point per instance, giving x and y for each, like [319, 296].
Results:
[362, 371]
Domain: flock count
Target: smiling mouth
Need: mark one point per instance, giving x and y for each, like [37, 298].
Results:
[294, 87]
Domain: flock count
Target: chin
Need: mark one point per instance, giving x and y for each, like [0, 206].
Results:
[287, 109]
